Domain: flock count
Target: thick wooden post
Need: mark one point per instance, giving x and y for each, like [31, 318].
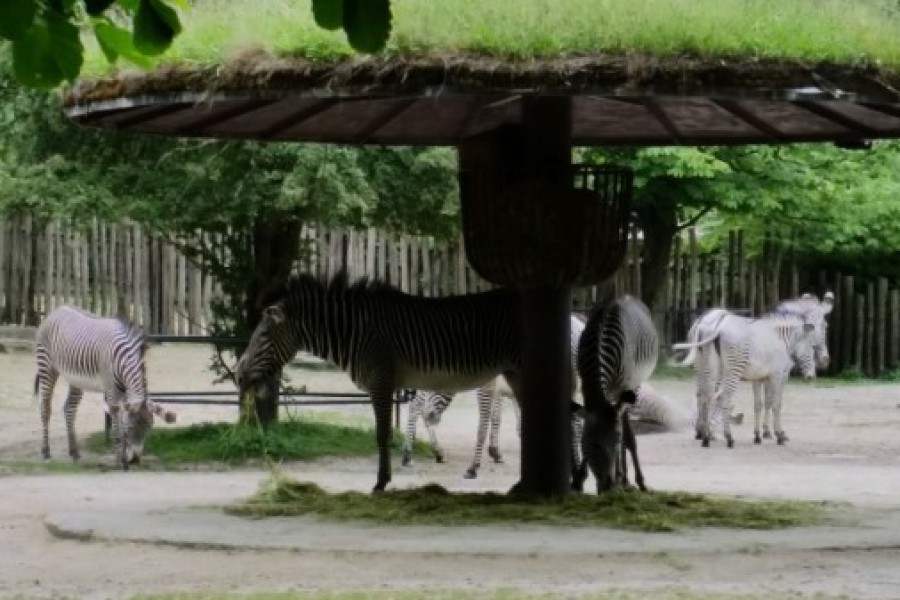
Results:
[546, 377]
[538, 148]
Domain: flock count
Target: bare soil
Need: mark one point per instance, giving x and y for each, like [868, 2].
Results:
[844, 447]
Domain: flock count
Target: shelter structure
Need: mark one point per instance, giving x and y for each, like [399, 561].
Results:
[530, 217]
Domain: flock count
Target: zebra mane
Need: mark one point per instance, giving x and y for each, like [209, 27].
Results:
[134, 331]
[339, 284]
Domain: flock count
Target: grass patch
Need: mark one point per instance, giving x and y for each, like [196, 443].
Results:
[295, 439]
[34, 467]
[831, 30]
[460, 594]
[432, 504]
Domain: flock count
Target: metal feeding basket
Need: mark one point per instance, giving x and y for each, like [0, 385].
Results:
[532, 228]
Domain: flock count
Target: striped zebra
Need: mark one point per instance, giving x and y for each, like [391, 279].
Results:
[99, 355]
[617, 353]
[725, 349]
[431, 406]
[386, 341]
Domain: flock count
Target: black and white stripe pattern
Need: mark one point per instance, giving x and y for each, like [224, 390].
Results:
[617, 352]
[100, 355]
[386, 341]
[726, 348]
[490, 410]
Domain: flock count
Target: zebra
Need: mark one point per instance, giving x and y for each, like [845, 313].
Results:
[102, 355]
[386, 341]
[431, 405]
[617, 353]
[654, 412]
[726, 349]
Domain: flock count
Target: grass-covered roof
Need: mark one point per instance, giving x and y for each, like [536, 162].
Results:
[482, 51]
[852, 32]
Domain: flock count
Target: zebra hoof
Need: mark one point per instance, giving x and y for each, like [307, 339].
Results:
[705, 443]
[470, 473]
[494, 453]
[757, 439]
[767, 434]
[406, 461]
[438, 458]
[730, 443]
[698, 436]
[379, 487]
[781, 439]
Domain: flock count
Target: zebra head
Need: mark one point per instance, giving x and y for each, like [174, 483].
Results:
[814, 314]
[271, 346]
[601, 444]
[131, 377]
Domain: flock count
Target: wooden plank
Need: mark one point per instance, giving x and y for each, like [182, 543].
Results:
[692, 266]
[182, 311]
[860, 330]
[743, 294]
[895, 328]
[881, 324]
[849, 323]
[869, 341]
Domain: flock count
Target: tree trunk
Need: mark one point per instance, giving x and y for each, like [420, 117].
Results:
[658, 221]
[275, 245]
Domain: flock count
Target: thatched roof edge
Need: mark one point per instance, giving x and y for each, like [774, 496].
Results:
[610, 74]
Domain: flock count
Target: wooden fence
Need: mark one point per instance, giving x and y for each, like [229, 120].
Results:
[120, 269]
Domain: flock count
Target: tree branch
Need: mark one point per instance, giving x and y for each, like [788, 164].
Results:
[693, 220]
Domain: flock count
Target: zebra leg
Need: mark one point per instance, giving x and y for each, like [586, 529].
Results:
[120, 433]
[414, 408]
[757, 409]
[767, 411]
[773, 398]
[579, 466]
[46, 380]
[631, 444]
[70, 409]
[494, 437]
[382, 404]
[485, 396]
[436, 449]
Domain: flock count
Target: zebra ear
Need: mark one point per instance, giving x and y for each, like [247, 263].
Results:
[275, 313]
[828, 302]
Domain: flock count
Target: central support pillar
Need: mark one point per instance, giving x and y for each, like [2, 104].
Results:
[523, 172]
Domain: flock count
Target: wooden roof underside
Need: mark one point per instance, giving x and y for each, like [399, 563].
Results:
[445, 120]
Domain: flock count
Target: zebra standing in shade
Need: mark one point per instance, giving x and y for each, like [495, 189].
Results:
[617, 353]
[431, 405]
[726, 349]
[101, 355]
[386, 341]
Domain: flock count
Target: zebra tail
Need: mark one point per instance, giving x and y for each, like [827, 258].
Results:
[692, 346]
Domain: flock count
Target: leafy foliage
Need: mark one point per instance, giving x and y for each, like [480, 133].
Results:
[46, 39]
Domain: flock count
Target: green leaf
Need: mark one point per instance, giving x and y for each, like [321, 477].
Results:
[155, 26]
[34, 62]
[95, 8]
[16, 16]
[65, 44]
[130, 6]
[115, 42]
[368, 24]
[329, 14]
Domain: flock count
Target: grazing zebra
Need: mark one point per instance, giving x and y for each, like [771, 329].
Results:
[100, 355]
[431, 405]
[386, 341]
[726, 349]
[616, 354]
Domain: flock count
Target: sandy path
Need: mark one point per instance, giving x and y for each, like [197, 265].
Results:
[844, 447]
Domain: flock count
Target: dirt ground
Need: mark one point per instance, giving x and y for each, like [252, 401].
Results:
[843, 448]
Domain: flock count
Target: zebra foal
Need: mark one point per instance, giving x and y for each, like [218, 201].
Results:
[100, 355]
[386, 341]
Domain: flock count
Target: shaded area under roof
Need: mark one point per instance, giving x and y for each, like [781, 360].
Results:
[616, 101]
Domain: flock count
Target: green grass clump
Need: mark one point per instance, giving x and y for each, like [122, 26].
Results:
[832, 30]
[462, 594]
[295, 439]
[621, 509]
